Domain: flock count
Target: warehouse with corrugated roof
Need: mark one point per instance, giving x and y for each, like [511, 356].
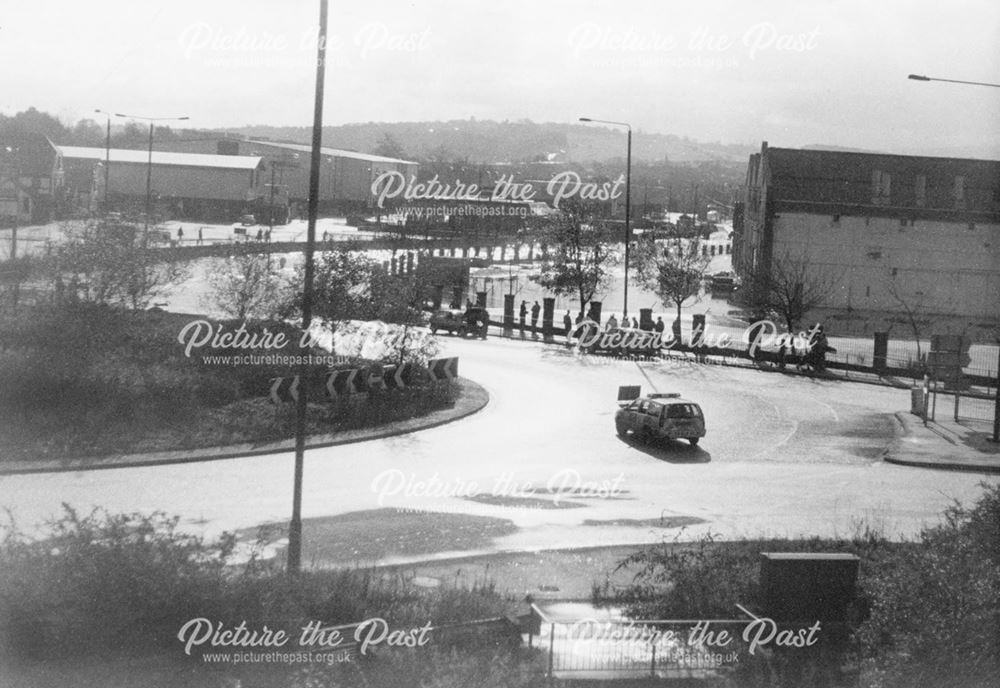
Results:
[197, 185]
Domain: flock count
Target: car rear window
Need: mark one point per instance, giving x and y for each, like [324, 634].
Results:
[683, 411]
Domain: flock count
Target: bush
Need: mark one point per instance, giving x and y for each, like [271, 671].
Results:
[81, 380]
[935, 609]
[930, 610]
[104, 584]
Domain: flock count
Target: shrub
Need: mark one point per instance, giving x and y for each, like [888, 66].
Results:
[935, 609]
[930, 609]
[105, 584]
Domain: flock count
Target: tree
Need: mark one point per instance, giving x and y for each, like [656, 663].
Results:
[674, 273]
[108, 261]
[86, 132]
[389, 147]
[580, 255]
[340, 286]
[245, 284]
[791, 289]
[32, 121]
[374, 312]
[912, 306]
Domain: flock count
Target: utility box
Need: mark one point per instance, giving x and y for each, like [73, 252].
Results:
[808, 586]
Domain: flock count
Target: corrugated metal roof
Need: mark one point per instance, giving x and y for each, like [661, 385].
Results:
[124, 155]
[302, 148]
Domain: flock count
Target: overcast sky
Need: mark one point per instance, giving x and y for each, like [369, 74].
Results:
[790, 72]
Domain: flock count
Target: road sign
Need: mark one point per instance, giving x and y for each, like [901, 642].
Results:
[949, 354]
[629, 392]
[443, 368]
[284, 389]
[397, 377]
[341, 383]
[375, 377]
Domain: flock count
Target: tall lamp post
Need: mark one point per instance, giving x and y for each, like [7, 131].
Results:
[107, 160]
[149, 165]
[628, 198]
[996, 401]
[921, 77]
[294, 559]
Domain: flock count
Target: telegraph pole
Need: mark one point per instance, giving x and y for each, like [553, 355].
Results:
[295, 526]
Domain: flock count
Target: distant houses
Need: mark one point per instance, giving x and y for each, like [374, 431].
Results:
[898, 232]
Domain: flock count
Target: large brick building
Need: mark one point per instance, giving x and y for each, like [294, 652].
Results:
[895, 231]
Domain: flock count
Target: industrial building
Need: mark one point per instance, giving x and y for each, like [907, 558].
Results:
[899, 233]
[209, 187]
[345, 176]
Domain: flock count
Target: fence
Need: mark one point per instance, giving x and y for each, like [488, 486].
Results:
[711, 652]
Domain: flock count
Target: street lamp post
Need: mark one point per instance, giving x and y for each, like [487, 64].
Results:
[996, 401]
[628, 198]
[294, 556]
[921, 77]
[149, 164]
[107, 160]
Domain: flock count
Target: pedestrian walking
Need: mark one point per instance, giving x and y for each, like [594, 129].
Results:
[567, 322]
[260, 234]
[523, 313]
[635, 323]
[200, 237]
[658, 326]
[612, 323]
[180, 234]
[535, 310]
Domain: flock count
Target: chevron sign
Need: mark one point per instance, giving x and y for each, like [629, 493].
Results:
[443, 368]
[397, 377]
[346, 382]
[284, 389]
[376, 376]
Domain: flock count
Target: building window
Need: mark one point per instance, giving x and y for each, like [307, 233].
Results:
[881, 187]
[920, 190]
[958, 193]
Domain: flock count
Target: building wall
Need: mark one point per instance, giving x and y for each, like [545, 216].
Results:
[942, 267]
[209, 183]
[341, 178]
[896, 232]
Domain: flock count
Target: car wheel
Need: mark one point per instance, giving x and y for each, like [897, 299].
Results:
[621, 429]
[693, 441]
[645, 436]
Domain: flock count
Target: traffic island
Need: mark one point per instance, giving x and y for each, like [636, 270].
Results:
[943, 445]
[471, 398]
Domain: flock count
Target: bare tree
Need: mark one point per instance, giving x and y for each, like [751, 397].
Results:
[912, 306]
[580, 257]
[791, 289]
[109, 261]
[674, 273]
[245, 284]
